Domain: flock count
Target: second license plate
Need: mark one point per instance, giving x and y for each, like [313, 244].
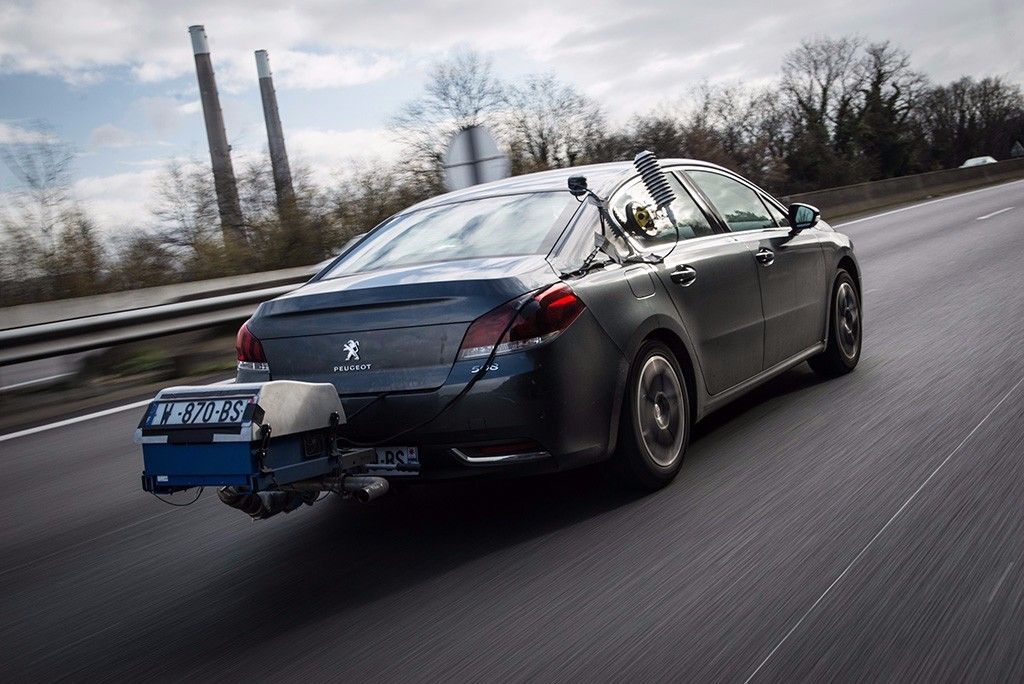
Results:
[396, 457]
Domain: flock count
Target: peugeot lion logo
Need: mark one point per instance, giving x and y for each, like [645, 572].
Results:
[351, 349]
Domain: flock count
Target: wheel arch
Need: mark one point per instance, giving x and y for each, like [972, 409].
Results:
[664, 330]
[849, 264]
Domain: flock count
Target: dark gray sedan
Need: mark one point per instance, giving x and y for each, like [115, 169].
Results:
[520, 327]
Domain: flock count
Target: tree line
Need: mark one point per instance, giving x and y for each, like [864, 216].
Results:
[842, 111]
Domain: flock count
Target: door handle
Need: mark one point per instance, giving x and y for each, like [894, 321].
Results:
[765, 256]
[683, 275]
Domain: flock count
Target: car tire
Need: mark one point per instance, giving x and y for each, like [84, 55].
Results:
[655, 422]
[843, 342]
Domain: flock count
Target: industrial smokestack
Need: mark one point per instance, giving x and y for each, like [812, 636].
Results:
[275, 134]
[232, 225]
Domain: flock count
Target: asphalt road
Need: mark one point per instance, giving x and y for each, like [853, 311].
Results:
[865, 528]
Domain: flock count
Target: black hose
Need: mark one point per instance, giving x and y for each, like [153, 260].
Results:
[181, 505]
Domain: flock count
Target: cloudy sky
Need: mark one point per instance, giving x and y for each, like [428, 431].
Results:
[116, 79]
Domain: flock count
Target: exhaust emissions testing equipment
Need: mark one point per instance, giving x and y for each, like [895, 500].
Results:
[270, 447]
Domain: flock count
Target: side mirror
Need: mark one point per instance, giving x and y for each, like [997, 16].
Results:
[802, 216]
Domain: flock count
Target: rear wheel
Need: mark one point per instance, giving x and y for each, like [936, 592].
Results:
[842, 346]
[655, 419]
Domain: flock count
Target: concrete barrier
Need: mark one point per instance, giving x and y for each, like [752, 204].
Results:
[860, 198]
[863, 197]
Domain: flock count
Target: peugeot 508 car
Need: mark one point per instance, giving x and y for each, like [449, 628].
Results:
[517, 327]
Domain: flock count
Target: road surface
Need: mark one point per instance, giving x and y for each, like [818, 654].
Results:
[865, 528]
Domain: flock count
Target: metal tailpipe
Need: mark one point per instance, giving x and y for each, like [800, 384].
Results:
[262, 505]
[364, 489]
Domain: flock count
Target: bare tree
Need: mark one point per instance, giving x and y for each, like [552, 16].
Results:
[890, 93]
[142, 259]
[885, 69]
[367, 195]
[661, 133]
[460, 92]
[185, 209]
[822, 81]
[551, 125]
[80, 260]
[297, 233]
[712, 125]
[51, 247]
[41, 198]
[751, 129]
[186, 206]
[256, 192]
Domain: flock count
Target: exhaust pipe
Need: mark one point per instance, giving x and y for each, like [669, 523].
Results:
[364, 489]
[262, 505]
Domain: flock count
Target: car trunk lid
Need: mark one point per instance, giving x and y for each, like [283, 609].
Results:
[394, 330]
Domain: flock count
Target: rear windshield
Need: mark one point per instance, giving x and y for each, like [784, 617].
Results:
[489, 227]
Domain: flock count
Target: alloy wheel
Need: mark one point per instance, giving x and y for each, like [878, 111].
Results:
[847, 320]
[660, 411]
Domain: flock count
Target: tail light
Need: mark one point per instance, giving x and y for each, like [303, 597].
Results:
[539, 318]
[250, 350]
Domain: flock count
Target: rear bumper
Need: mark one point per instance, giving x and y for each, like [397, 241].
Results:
[552, 406]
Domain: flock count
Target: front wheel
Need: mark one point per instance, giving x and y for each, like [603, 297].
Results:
[842, 346]
[655, 419]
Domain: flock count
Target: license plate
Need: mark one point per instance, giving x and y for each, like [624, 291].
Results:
[393, 458]
[197, 412]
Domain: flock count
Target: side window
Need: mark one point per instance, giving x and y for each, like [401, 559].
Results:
[740, 206]
[690, 220]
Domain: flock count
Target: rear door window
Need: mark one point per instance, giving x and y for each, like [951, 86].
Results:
[690, 220]
[739, 205]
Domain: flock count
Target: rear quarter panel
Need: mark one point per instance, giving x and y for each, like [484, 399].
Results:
[629, 319]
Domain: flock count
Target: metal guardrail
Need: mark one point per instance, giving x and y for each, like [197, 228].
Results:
[44, 340]
[23, 315]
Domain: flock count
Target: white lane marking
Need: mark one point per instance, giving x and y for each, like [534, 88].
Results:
[36, 381]
[89, 416]
[72, 421]
[924, 204]
[1000, 582]
[881, 531]
[994, 213]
